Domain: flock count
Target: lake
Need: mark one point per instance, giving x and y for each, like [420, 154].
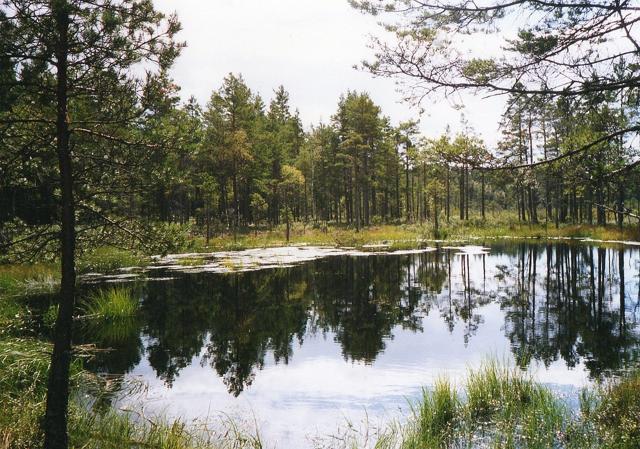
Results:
[307, 350]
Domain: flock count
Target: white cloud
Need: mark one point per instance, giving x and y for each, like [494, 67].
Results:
[310, 47]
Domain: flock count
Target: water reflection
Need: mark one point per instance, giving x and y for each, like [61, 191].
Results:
[575, 308]
[574, 303]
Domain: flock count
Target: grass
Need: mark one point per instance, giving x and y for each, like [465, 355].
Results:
[191, 261]
[616, 413]
[503, 407]
[108, 260]
[28, 279]
[412, 234]
[114, 303]
[438, 415]
[16, 282]
[117, 430]
[24, 365]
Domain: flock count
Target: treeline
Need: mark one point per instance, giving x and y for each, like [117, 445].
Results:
[238, 163]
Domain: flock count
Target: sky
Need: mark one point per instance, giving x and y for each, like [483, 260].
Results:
[310, 47]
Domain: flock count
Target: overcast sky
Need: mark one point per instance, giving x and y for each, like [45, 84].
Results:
[310, 47]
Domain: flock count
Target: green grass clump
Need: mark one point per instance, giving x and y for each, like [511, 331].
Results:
[17, 282]
[495, 226]
[21, 280]
[24, 365]
[502, 407]
[109, 259]
[115, 430]
[505, 408]
[191, 261]
[497, 389]
[437, 416]
[616, 414]
[112, 303]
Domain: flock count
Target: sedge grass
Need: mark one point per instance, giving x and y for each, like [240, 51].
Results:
[412, 234]
[24, 365]
[113, 303]
[18, 280]
[503, 407]
[108, 260]
[616, 414]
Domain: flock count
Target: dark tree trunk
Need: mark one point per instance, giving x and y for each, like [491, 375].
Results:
[601, 216]
[208, 218]
[482, 198]
[467, 193]
[462, 193]
[620, 205]
[589, 206]
[55, 423]
[407, 193]
[236, 201]
[448, 205]
[397, 165]
[356, 198]
[436, 212]
[365, 192]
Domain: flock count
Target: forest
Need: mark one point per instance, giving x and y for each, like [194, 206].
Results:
[106, 168]
[238, 165]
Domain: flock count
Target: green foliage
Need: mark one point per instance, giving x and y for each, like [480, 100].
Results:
[50, 316]
[169, 237]
[24, 365]
[533, 44]
[480, 70]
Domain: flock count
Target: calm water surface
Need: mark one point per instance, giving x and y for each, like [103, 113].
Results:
[308, 348]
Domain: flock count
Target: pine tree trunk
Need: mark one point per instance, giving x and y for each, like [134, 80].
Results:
[397, 166]
[407, 195]
[467, 194]
[482, 199]
[55, 423]
[208, 218]
[236, 203]
[462, 194]
[448, 206]
[435, 215]
[621, 197]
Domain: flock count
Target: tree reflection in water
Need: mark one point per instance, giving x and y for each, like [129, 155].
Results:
[568, 302]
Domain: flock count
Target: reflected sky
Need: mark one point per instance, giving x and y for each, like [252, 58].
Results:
[306, 348]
